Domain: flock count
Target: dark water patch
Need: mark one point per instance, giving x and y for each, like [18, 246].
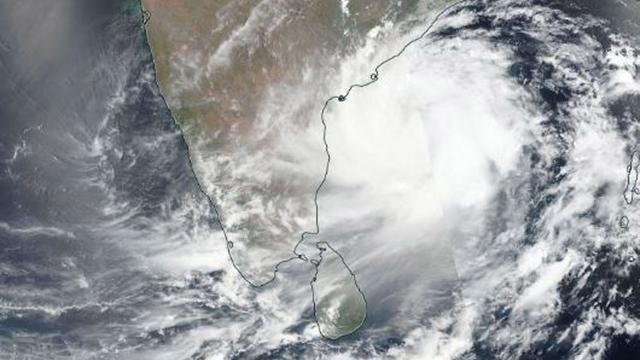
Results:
[289, 351]
[601, 35]
[623, 347]
[555, 97]
[626, 110]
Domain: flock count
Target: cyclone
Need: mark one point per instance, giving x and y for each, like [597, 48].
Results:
[319, 179]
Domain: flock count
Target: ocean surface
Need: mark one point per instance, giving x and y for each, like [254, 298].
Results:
[109, 250]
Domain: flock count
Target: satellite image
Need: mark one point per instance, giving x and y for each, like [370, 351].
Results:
[320, 179]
